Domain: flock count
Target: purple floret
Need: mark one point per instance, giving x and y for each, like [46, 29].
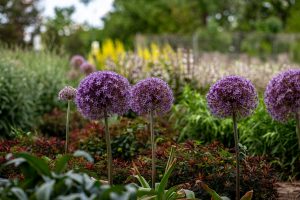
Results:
[232, 94]
[103, 91]
[76, 61]
[282, 95]
[67, 93]
[151, 94]
[87, 68]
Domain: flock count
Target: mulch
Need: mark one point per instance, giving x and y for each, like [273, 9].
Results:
[288, 190]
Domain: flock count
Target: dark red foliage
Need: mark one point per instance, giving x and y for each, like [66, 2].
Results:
[47, 146]
[54, 123]
[5, 145]
[212, 164]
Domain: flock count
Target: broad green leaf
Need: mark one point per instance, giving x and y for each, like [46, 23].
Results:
[80, 153]
[224, 198]
[61, 163]
[75, 177]
[38, 164]
[74, 196]
[19, 193]
[212, 193]
[16, 162]
[142, 192]
[44, 191]
[189, 194]
[171, 190]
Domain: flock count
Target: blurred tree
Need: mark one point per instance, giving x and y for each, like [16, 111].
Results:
[266, 16]
[61, 33]
[293, 22]
[168, 16]
[58, 27]
[15, 17]
[130, 17]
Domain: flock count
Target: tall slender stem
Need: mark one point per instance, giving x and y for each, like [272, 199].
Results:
[108, 148]
[67, 129]
[298, 127]
[153, 149]
[237, 155]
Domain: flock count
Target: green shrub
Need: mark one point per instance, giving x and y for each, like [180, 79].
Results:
[29, 82]
[258, 44]
[264, 136]
[16, 109]
[213, 39]
[259, 132]
[127, 138]
[193, 120]
[295, 51]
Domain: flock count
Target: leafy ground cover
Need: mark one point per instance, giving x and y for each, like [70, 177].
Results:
[213, 164]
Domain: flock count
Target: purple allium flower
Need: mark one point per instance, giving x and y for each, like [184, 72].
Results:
[73, 74]
[76, 61]
[100, 91]
[87, 68]
[67, 93]
[151, 94]
[282, 95]
[232, 94]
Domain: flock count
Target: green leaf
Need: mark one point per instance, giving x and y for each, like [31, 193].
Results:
[19, 193]
[189, 194]
[74, 196]
[16, 162]
[164, 180]
[145, 192]
[224, 198]
[38, 164]
[171, 190]
[80, 153]
[212, 193]
[141, 179]
[169, 169]
[61, 163]
[45, 190]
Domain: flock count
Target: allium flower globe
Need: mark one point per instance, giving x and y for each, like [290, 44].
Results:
[67, 93]
[76, 61]
[282, 95]
[87, 68]
[232, 95]
[103, 91]
[151, 94]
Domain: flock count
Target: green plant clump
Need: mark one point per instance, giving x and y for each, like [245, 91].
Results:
[41, 183]
[29, 82]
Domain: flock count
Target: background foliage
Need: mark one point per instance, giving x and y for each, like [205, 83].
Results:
[29, 85]
[259, 133]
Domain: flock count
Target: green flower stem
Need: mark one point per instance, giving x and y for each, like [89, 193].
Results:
[153, 149]
[67, 129]
[298, 127]
[108, 147]
[237, 155]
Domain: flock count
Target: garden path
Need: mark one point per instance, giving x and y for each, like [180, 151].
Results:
[288, 190]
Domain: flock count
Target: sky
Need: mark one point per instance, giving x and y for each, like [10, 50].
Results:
[90, 13]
